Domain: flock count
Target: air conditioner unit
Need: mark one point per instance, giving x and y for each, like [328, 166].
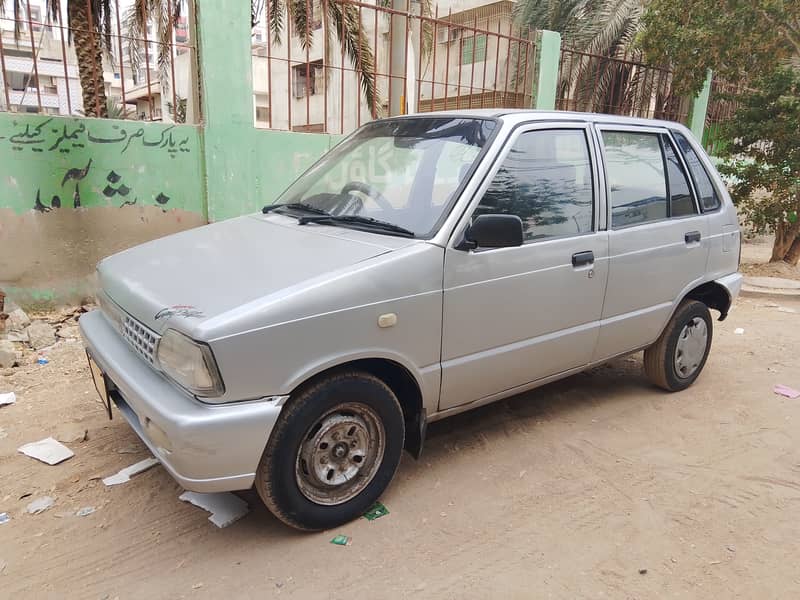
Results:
[448, 34]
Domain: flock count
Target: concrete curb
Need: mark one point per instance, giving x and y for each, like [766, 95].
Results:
[770, 287]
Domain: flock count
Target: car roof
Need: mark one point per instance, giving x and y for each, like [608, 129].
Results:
[527, 114]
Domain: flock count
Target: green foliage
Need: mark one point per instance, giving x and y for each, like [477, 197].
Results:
[606, 30]
[763, 151]
[735, 38]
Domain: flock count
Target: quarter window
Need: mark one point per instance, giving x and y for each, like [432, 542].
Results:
[546, 180]
[709, 200]
[635, 170]
[680, 195]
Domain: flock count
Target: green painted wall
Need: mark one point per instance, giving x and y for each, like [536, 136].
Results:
[697, 118]
[47, 163]
[246, 167]
[548, 56]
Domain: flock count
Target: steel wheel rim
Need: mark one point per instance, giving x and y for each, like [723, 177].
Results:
[691, 347]
[340, 454]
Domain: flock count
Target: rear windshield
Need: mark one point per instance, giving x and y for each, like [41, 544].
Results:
[405, 171]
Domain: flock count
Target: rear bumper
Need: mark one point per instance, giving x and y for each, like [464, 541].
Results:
[732, 283]
[206, 448]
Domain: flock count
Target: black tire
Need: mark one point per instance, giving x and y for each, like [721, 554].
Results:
[278, 475]
[659, 359]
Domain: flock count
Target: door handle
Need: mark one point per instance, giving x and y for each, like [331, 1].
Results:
[692, 237]
[580, 259]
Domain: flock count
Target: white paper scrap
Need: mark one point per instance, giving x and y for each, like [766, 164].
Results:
[40, 505]
[125, 474]
[8, 398]
[47, 450]
[225, 508]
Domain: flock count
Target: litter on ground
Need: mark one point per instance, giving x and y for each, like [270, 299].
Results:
[125, 474]
[4, 518]
[40, 505]
[785, 390]
[376, 511]
[47, 450]
[342, 540]
[8, 398]
[225, 508]
[738, 331]
[86, 510]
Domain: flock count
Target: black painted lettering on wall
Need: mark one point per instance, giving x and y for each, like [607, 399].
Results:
[115, 187]
[76, 135]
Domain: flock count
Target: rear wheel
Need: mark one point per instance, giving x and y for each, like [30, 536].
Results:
[333, 451]
[676, 359]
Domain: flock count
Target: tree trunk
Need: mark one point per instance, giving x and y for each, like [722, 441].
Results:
[792, 256]
[90, 58]
[786, 239]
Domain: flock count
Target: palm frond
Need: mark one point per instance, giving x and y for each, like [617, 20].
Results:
[275, 10]
[165, 13]
[346, 23]
[300, 13]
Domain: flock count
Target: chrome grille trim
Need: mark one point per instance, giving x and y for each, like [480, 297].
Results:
[143, 341]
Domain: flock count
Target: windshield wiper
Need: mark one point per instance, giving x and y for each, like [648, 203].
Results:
[368, 222]
[298, 206]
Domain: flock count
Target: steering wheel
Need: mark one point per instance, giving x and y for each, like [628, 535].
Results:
[369, 191]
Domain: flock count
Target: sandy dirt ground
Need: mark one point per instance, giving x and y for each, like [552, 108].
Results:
[755, 261]
[598, 486]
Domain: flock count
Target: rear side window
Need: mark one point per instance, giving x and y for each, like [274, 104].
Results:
[709, 200]
[680, 195]
[635, 171]
[546, 180]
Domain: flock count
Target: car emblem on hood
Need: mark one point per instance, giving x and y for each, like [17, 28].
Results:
[179, 310]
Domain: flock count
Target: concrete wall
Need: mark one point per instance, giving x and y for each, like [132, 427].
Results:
[75, 190]
[246, 167]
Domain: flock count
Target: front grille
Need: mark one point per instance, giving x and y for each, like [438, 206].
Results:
[141, 339]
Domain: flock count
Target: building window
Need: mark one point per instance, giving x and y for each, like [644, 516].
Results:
[21, 81]
[314, 16]
[307, 79]
[473, 49]
[262, 114]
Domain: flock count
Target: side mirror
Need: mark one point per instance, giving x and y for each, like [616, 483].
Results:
[493, 231]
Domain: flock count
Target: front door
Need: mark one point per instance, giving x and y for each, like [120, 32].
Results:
[515, 315]
[658, 239]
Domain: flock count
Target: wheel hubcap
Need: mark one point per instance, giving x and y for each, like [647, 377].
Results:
[340, 454]
[691, 347]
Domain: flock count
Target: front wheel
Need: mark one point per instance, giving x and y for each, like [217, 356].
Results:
[333, 451]
[678, 356]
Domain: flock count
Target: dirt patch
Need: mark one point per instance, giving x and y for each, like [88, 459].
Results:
[571, 491]
[755, 261]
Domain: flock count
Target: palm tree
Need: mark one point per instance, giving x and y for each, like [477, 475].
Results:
[165, 13]
[606, 30]
[342, 20]
[89, 25]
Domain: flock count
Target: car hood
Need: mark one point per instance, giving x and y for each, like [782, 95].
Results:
[196, 275]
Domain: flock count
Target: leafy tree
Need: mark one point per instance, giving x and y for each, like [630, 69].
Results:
[735, 38]
[763, 155]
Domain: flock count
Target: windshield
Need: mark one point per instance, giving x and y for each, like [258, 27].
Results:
[405, 171]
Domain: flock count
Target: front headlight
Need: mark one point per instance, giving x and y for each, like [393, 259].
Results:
[190, 364]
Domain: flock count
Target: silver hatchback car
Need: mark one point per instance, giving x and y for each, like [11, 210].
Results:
[425, 266]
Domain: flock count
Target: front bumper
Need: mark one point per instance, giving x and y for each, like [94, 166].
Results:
[206, 448]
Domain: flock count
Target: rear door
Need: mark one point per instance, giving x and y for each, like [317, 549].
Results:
[515, 315]
[658, 238]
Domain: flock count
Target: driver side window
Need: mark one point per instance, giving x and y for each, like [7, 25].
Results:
[545, 180]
